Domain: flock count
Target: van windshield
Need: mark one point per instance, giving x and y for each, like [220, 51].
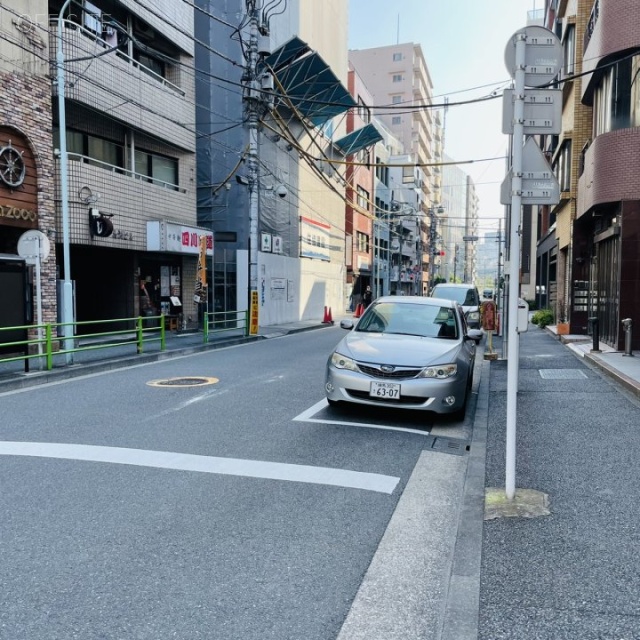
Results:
[465, 297]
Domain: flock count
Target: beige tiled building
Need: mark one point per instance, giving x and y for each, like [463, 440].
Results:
[129, 126]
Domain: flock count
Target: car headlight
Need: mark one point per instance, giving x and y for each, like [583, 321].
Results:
[342, 362]
[440, 372]
[473, 315]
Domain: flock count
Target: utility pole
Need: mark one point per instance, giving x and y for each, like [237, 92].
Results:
[455, 263]
[498, 289]
[252, 99]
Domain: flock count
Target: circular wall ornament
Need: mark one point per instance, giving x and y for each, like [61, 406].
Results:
[12, 167]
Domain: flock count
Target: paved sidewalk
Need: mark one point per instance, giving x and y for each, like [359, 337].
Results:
[572, 574]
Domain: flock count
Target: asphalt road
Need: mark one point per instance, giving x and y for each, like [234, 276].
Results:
[236, 509]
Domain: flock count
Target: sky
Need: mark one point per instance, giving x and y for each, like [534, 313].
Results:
[464, 43]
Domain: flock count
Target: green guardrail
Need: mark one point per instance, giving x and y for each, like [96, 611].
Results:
[226, 322]
[51, 340]
[46, 341]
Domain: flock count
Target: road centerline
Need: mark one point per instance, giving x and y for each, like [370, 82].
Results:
[204, 464]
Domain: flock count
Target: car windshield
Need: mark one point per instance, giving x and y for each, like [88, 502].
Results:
[426, 320]
[465, 297]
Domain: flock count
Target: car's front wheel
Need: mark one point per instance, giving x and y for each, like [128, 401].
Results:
[458, 416]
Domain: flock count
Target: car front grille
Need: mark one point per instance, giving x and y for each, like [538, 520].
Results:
[399, 374]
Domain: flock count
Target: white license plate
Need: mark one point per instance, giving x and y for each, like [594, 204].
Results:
[384, 390]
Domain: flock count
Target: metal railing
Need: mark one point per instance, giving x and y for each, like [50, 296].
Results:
[236, 322]
[47, 341]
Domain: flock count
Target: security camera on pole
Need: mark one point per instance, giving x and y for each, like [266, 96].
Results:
[533, 57]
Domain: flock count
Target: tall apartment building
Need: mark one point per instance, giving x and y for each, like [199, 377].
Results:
[130, 236]
[397, 75]
[459, 218]
[606, 248]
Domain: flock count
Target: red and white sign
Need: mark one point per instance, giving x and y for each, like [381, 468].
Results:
[175, 238]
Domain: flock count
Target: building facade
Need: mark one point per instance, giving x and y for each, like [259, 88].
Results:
[607, 228]
[300, 194]
[360, 206]
[115, 82]
[27, 189]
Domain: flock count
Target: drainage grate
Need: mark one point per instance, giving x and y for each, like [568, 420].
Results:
[183, 382]
[449, 445]
[562, 374]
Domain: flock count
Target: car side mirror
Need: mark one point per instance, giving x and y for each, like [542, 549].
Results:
[474, 334]
[346, 324]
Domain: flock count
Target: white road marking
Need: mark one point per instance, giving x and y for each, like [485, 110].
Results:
[307, 416]
[184, 405]
[204, 464]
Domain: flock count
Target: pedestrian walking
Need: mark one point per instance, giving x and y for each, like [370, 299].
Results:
[367, 297]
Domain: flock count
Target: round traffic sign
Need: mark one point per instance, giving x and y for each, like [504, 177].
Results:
[543, 56]
[34, 243]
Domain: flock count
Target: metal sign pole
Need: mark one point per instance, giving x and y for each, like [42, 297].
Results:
[514, 264]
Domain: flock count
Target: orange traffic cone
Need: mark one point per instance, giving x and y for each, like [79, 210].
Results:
[327, 316]
[330, 316]
[359, 310]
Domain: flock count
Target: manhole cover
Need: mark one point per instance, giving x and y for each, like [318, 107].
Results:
[562, 374]
[183, 382]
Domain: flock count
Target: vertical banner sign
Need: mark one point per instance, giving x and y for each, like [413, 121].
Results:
[201, 273]
[253, 322]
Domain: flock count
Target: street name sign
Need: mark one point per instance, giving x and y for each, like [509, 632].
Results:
[542, 111]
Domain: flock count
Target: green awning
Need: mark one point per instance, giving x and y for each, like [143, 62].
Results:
[308, 83]
[358, 140]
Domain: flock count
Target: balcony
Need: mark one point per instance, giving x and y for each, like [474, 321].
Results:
[117, 84]
[132, 198]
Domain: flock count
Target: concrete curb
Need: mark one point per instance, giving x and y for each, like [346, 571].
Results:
[463, 599]
[628, 383]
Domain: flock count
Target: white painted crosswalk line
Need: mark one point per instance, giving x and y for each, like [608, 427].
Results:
[204, 464]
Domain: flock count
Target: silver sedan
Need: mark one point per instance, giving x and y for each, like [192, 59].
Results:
[406, 352]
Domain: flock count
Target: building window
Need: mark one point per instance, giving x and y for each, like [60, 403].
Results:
[396, 120]
[397, 57]
[363, 111]
[635, 91]
[362, 240]
[397, 77]
[92, 149]
[157, 169]
[612, 99]
[363, 198]
[396, 99]
[562, 166]
[569, 49]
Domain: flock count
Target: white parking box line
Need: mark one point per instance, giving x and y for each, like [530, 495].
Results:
[307, 416]
[204, 464]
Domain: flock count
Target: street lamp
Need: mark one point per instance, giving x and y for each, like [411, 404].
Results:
[67, 287]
